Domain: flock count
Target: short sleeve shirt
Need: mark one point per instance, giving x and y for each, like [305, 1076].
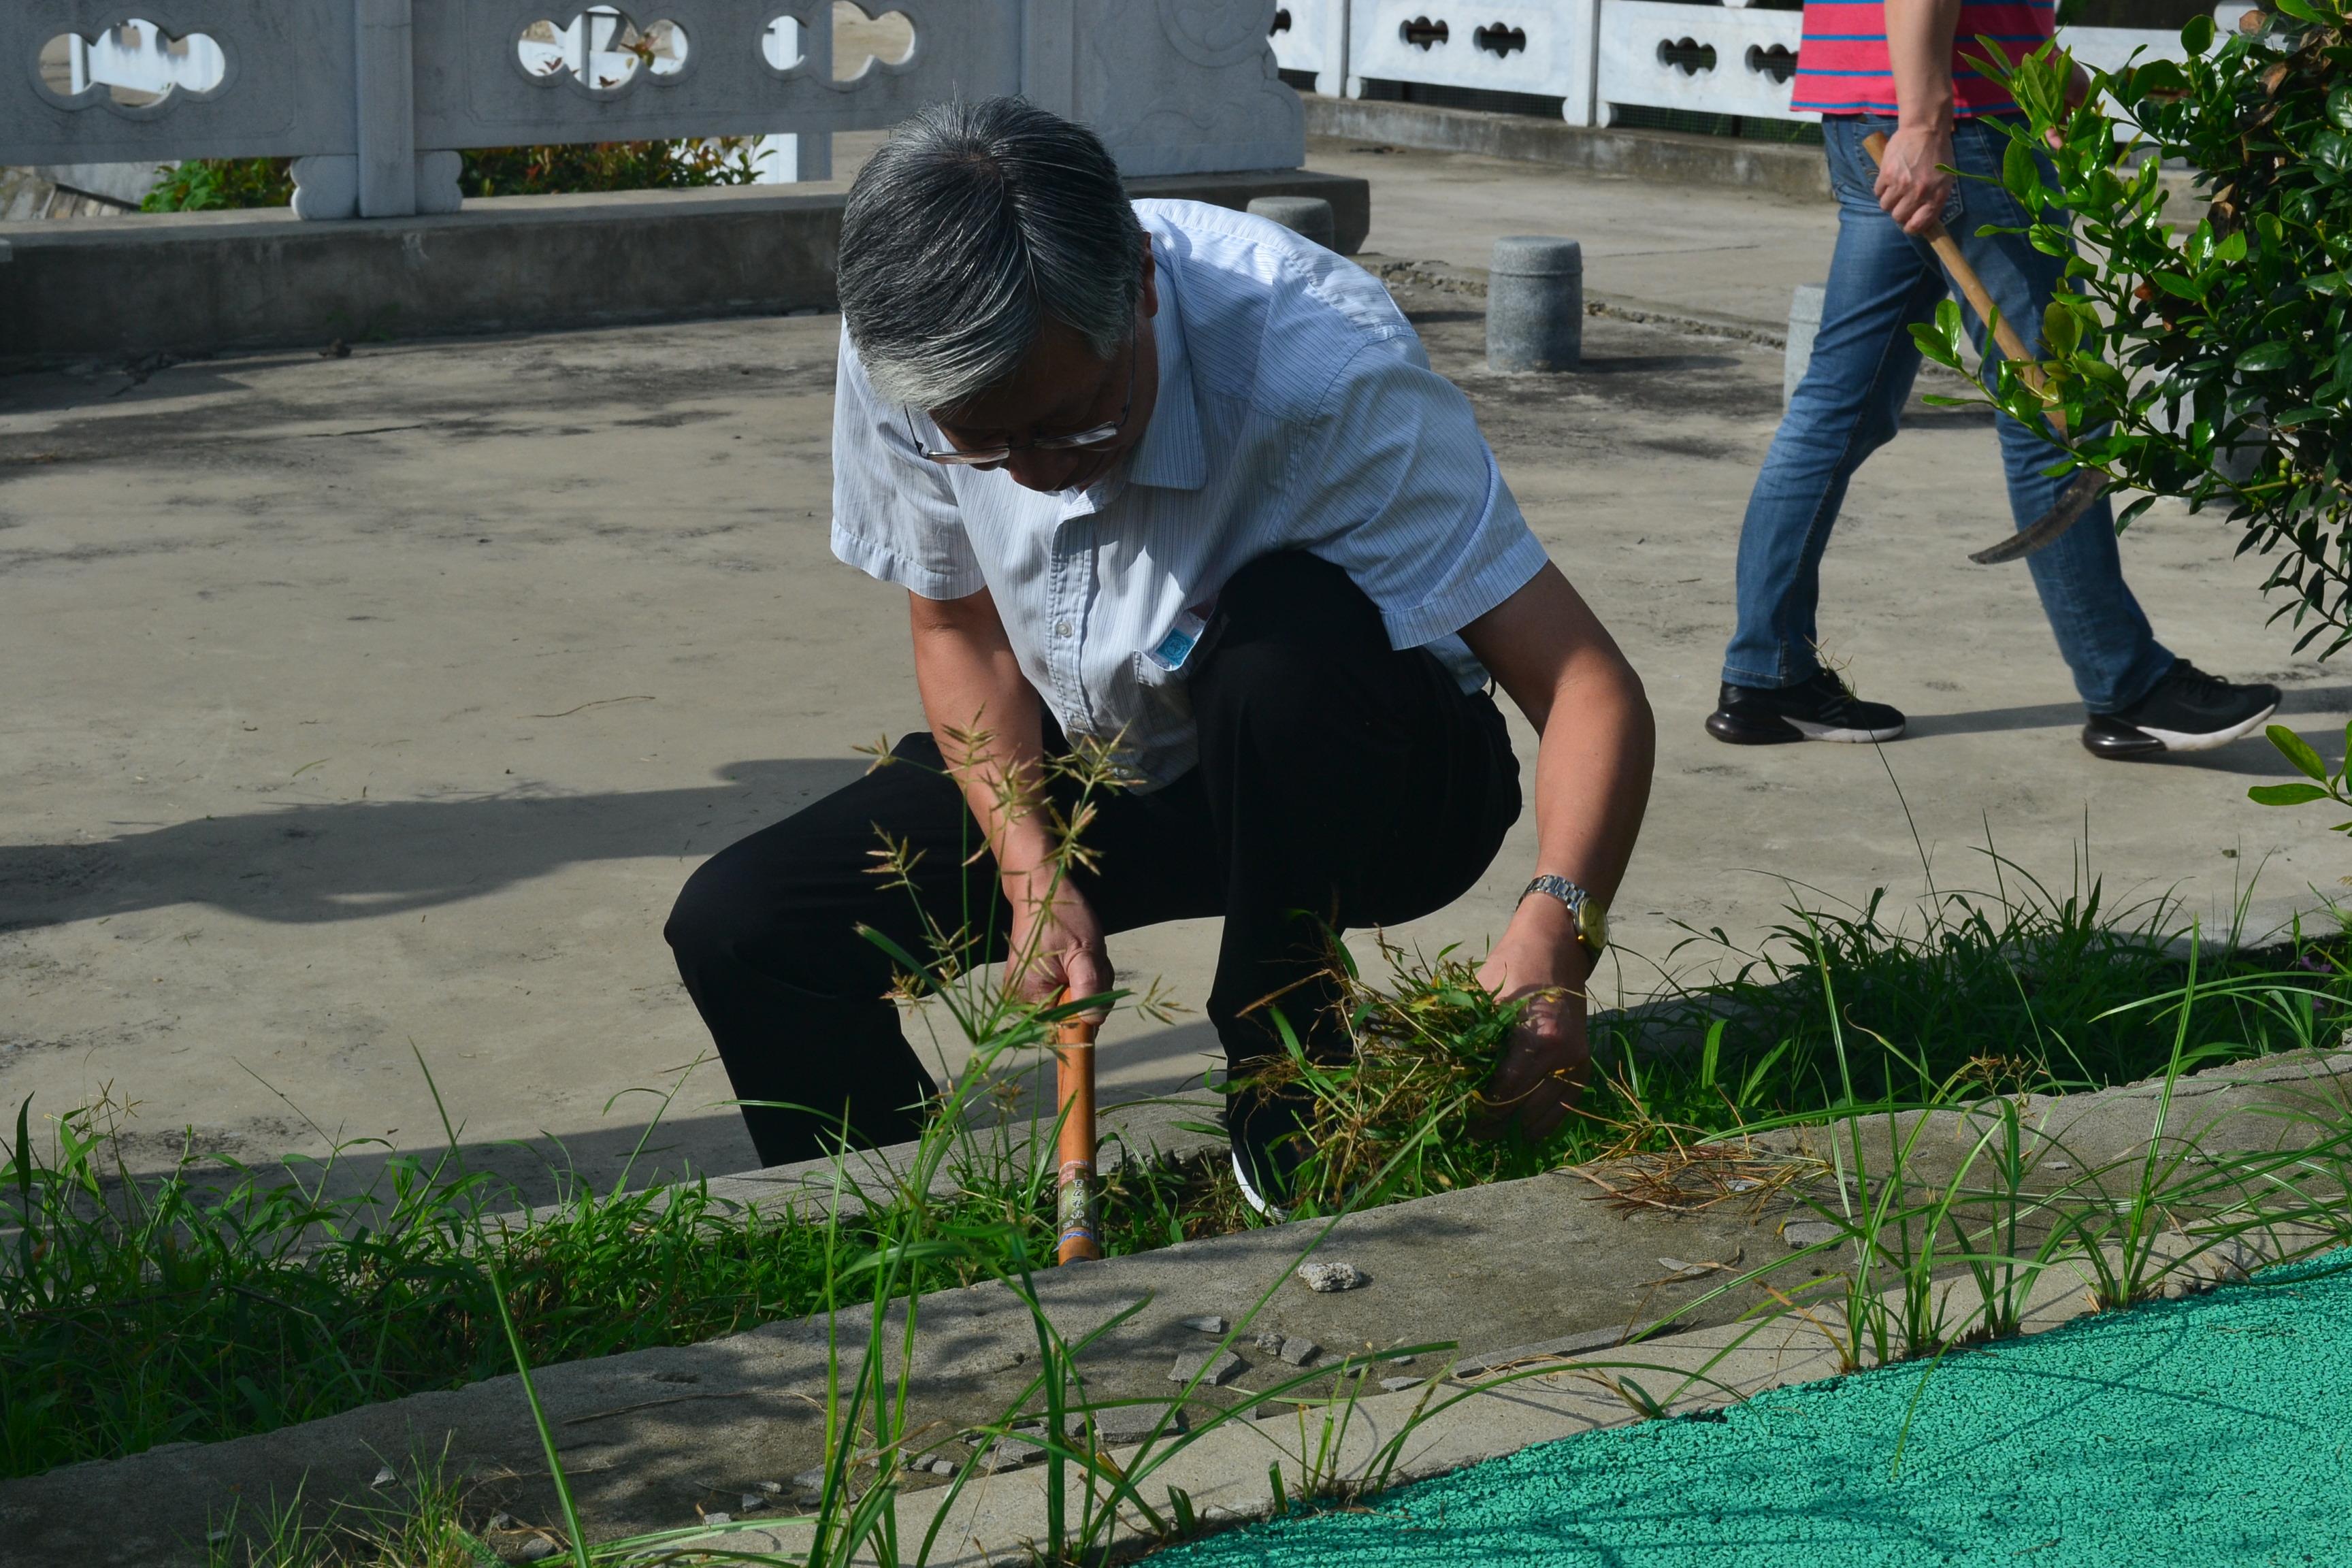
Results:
[1296, 411]
[1843, 67]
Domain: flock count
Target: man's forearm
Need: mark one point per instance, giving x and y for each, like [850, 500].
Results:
[988, 725]
[1919, 36]
[1592, 776]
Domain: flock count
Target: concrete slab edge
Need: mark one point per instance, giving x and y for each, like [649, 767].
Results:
[1484, 1407]
[1795, 170]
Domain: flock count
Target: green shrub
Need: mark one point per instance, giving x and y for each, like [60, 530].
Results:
[2208, 361]
[206, 184]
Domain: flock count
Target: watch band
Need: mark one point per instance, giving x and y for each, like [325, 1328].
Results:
[1591, 915]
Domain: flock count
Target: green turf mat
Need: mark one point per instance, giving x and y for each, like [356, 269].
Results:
[2214, 1431]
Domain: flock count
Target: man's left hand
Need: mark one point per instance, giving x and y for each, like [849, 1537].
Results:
[1541, 959]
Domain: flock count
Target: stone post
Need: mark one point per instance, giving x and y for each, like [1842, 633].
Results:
[1535, 303]
[1308, 216]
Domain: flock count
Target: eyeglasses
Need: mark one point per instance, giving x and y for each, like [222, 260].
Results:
[1092, 437]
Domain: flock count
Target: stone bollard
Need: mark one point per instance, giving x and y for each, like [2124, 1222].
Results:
[1535, 303]
[1309, 216]
[1804, 322]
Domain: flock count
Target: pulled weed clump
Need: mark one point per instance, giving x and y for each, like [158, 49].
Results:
[1396, 1119]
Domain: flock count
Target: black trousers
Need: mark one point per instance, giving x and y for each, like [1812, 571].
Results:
[1340, 782]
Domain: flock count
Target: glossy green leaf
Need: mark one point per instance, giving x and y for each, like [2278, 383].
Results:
[2266, 356]
[2296, 750]
[2021, 176]
[2061, 329]
[2197, 36]
[2175, 284]
[2339, 106]
[2332, 150]
[2285, 794]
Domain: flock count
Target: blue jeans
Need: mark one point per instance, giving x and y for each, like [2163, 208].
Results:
[1851, 400]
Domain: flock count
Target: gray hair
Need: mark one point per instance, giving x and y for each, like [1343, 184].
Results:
[973, 223]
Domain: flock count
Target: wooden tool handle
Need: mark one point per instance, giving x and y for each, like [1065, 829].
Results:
[1971, 286]
[1079, 1224]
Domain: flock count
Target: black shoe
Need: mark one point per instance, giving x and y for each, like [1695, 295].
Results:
[1264, 1133]
[1820, 708]
[2190, 711]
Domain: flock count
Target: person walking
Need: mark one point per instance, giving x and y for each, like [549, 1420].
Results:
[1168, 479]
[1902, 68]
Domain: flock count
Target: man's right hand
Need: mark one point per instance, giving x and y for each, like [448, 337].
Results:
[1056, 941]
[1912, 187]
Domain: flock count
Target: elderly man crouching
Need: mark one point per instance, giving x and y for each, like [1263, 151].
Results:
[1170, 475]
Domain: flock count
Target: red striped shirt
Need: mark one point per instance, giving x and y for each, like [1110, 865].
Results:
[1843, 67]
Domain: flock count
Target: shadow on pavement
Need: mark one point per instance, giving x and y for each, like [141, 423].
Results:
[353, 860]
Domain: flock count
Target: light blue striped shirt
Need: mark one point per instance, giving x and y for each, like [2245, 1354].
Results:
[1296, 411]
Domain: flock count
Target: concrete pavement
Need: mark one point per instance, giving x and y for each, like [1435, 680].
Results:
[370, 706]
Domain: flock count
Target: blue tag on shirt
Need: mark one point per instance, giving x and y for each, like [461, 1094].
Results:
[1173, 649]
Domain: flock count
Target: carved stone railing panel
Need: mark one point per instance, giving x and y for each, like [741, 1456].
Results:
[373, 97]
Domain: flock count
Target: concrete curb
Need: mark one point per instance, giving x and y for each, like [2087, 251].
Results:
[1795, 170]
[1535, 1267]
[189, 284]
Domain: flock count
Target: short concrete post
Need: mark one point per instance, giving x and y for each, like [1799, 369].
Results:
[1309, 216]
[1534, 304]
[1804, 324]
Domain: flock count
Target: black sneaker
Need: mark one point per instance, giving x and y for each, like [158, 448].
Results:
[1263, 1130]
[1820, 708]
[2190, 711]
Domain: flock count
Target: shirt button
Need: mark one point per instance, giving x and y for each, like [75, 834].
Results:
[1061, 628]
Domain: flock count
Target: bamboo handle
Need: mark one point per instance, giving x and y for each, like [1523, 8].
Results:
[1079, 1224]
[1971, 286]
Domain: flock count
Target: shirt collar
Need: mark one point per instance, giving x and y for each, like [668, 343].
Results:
[1169, 456]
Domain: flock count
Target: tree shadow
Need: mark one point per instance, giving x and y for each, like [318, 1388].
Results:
[360, 859]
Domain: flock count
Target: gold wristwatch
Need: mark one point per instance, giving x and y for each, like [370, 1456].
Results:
[1591, 915]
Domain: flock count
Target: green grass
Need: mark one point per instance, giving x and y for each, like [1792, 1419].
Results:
[201, 1307]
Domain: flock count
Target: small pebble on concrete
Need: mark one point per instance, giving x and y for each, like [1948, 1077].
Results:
[771, 1487]
[1803, 1233]
[1327, 1277]
[1212, 1367]
[383, 1477]
[721, 1517]
[1298, 1351]
[1208, 1324]
[752, 1502]
[1269, 1341]
[1399, 1385]
[810, 1480]
[943, 1467]
[501, 1522]
[537, 1549]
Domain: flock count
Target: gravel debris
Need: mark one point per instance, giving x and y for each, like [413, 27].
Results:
[943, 1467]
[752, 1502]
[1399, 1385]
[1329, 1277]
[1804, 1233]
[720, 1517]
[1208, 1324]
[537, 1549]
[384, 1478]
[1210, 1366]
[1297, 1351]
[1269, 1341]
